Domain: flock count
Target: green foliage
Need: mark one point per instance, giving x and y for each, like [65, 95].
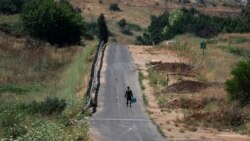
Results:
[122, 23]
[141, 77]
[46, 107]
[19, 89]
[134, 27]
[167, 26]
[238, 51]
[155, 29]
[126, 27]
[91, 30]
[114, 7]
[145, 99]
[11, 24]
[245, 13]
[15, 29]
[55, 22]
[103, 29]
[15, 131]
[11, 6]
[238, 87]
[241, 40]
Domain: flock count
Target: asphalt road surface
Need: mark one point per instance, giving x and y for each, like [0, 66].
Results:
[113, 120]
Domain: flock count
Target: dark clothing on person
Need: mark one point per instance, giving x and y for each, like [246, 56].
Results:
[129, 96]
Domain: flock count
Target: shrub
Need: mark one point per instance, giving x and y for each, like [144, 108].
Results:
[122, 23]
[241, 40]
[46, 107]
[91, 30]
[134, 27]
[233, 116]
[55, 22]
[114, 7]
[15, 131]
[15, 29]
[245, 13]
[238, 87]
[11, 6]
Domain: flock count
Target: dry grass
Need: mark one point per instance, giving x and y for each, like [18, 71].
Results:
[32, 70]
[25, 61]
[8, 18]
[216, 64]
[209, 107]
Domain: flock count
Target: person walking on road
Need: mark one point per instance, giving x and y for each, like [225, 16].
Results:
[129, 96]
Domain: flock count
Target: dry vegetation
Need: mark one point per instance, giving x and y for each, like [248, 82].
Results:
[189, 100]
[32, 70]
[138, 12]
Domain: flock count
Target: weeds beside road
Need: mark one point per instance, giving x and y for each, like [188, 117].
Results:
[32, 76]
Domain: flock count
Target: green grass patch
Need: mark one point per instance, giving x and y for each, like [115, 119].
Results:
[53, 108]
[73, 76]
[9, 18]
[238, 51]
[18, 89]
[134, 27]
[240, 40]
[145, 99]
[141, 77]
[157, 78]
[11, 24]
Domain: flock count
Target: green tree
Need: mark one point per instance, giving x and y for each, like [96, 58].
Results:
[11, 6]
[103, 29]
[114, 7]
[55, 22]
[238, 87]
[7, 6]
[122, 23]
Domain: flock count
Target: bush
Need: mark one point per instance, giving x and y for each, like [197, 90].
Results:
[245, 13]
[11, 6]
[55, 22]
[114, 7]
[46, 107]
[15, 29]
[91, 30]
[238, 87]
[122, 23]
[134, 27]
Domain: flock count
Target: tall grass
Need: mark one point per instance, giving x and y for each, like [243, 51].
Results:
[17, 123]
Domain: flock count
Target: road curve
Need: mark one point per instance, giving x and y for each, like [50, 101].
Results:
[113, 120]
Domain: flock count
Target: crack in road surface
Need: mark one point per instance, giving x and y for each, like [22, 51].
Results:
[114, 121]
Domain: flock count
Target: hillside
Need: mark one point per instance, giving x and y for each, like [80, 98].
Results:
[139, 12]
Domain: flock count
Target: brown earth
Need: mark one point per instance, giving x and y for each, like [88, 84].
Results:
[187, 86]
[174, 67]
[169, 121]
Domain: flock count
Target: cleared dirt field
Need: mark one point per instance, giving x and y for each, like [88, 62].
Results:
[163, 105]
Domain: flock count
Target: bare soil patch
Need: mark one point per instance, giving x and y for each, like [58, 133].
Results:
[169, 120]
[180, 68]
[187, 86]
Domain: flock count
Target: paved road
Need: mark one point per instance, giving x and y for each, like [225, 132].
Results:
[114, 121]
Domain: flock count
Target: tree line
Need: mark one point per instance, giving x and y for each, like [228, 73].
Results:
[167, 25]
